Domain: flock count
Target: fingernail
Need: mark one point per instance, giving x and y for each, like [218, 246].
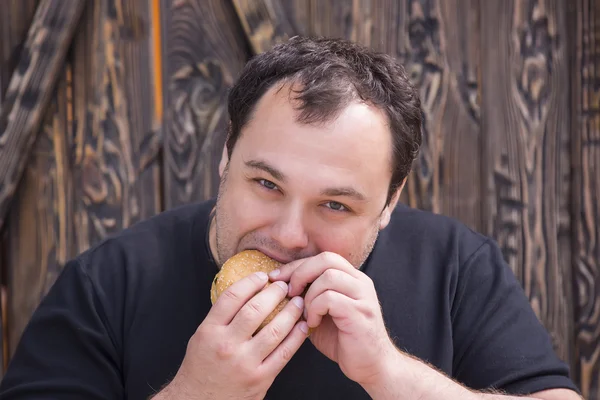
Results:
[304, 327]
[274, 273]
[262, 276]
[298, 302]
[289, 288]
[282, 285]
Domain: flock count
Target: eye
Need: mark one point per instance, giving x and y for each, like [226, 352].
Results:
[267, 184]
[335, 206]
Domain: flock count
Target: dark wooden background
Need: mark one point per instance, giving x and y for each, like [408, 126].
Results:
[135, 125]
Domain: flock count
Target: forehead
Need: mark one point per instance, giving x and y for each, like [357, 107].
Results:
[355, 145]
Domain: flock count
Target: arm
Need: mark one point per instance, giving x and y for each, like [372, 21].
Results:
[409, 378]
[498, 343]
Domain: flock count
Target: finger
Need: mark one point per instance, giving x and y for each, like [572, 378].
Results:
[336, 280]
[314, 267]
[257, 309]
[231, 301]
[278, 329]
[341, 309]
[284, 272]
[279, 358]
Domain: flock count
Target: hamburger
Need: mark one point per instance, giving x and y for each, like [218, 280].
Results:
[239, 266]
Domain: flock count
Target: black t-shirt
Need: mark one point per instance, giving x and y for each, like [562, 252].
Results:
[117, 321]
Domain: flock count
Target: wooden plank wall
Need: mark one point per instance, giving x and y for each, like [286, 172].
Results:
[94, 169]
[511, 134]
[584, 19]
[525, 150]
[15, 21]
[202, 60]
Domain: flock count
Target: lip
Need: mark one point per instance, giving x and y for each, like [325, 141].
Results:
[274, 256]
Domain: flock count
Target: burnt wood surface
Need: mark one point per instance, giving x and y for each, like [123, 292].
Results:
[205, 49]
[15, 20]
[584, 27]
[30, 88]
[526, 168]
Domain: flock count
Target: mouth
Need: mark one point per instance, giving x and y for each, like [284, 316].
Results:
[274, 256]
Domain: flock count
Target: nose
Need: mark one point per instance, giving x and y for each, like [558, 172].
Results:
[289, 230]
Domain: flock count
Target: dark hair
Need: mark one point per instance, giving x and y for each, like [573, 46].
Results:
[332, 73]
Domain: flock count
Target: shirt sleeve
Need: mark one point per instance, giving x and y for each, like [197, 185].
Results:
[66, 350]
[499, 343]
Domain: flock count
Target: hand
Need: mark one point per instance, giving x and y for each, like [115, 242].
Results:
[342, 303]
[223, 360]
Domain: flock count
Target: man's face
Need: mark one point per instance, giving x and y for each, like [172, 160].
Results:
[294, 190]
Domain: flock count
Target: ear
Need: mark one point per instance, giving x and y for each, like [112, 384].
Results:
[224, 161]
[386, 214]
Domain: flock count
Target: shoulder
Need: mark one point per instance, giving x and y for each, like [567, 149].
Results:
[178, 220]
[157, 232]
[439, 235]
[148, 250]
[129, 273]
[432, 252]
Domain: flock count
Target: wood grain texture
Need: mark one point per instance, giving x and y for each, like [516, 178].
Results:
[30, 89]
[15, 19]
[266, 22]
[585, 129]
[526, 152]
[441, 52]
[40, 227]
[116, 169]
[202, 60]
[347, 19]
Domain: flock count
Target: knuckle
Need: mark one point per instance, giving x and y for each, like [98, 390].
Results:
[366, 310]
[244, 371]
[370, 313]
[252, 377]
[329, 257]
[225, 350]
[202, 335]
[231, 295]
[240, 366]
[275, 331]
[251, 311]
[286, 353]
[329, 296]
[296, 280]
[330, 275]
[192, 344]
[254, 308]
[200, 332]
[370, 283]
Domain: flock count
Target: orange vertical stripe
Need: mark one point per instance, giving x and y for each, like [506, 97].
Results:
[157, 58]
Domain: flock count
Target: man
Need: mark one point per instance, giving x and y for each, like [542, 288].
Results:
[405, 304]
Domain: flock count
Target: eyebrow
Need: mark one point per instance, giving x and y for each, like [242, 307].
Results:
[344, 191]
[263, 166]
[333, 191]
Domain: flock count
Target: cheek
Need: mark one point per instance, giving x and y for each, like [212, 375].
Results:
[347, 240]
[244, 211]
